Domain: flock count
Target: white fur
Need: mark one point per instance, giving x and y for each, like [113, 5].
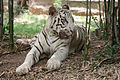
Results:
[24, 68]
[58, 53]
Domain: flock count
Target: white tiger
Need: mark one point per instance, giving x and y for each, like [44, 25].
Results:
[58, 38]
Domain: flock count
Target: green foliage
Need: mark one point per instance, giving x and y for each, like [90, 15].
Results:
[58, 3]
[108, 53]
[98, 57]
[95, 18]
[73, 67]
[95, 64]
[28, 29]
[25, 24]
[110, 50]
[28, 24]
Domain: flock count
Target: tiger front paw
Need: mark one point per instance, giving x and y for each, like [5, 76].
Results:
[53, 64]
[23, 69]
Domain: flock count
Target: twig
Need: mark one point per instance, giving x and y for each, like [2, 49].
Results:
[50, 71]
[118, 74]
[1, 62]
[2, 74]
[102, 62]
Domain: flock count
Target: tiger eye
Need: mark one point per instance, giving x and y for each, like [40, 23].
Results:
[63, 20]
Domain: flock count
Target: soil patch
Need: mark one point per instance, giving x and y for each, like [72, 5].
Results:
[73, 68]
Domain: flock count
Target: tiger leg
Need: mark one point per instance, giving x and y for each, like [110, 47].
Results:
[31, 58]
[55, 61]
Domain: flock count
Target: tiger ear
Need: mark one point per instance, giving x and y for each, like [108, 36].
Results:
[65, 6]
[52, 10]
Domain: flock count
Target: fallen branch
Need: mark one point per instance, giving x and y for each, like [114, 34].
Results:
[2, 74]
[118, 74]
[102, 62]
[1, 62]
[49, 70]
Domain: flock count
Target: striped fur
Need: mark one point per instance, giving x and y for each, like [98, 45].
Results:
[58, 39]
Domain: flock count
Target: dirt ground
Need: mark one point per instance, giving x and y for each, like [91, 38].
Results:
[73, 68]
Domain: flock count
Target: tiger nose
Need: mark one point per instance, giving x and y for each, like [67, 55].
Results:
[58, 24]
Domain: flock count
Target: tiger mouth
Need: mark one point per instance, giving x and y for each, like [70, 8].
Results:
[63, 35]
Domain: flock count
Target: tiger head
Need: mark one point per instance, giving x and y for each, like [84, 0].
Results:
[60, 21]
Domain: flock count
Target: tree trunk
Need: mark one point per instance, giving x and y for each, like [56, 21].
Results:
[1, 19]
[106, 19]
[119, 19]
[108, 14]
[11, 23]
[109, 10]
[113, 25]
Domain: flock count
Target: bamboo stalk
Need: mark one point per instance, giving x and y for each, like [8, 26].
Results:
[85, 34]
[100, 19]
[90, 14]
[11, 24]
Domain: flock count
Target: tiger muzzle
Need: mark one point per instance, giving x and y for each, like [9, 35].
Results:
[63, 35]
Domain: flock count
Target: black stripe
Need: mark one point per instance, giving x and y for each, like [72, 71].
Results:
[60, 16]
[64, 12]
[34, 57]
[40, 44]
[62, 26]
[51, 26]
[58, 24]
[82, 47]
[44, 33]
[37, 49]
[62, 22]
[62, 19]
[66, 20]
[45, 38]
[53, 23]
[58, 20]
[59, 44]
[60, 47]
[71, 31]
[36, 36]
[55, 40]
